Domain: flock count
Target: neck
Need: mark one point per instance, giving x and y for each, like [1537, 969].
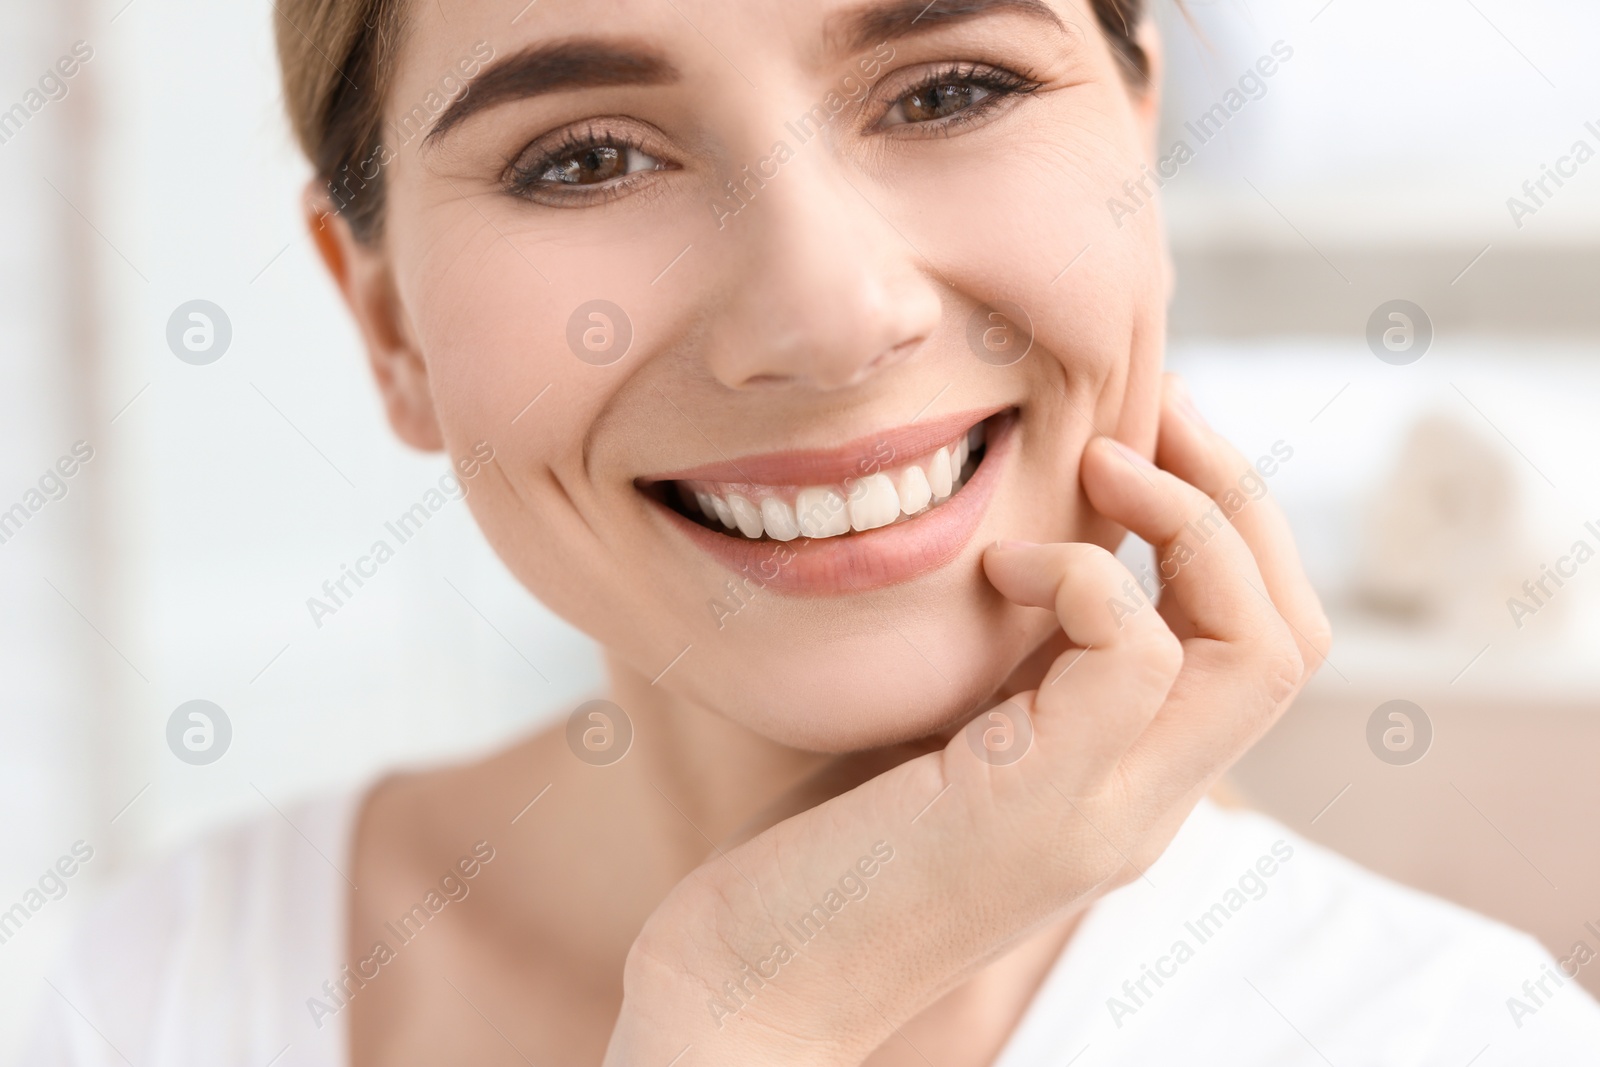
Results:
[715, 773]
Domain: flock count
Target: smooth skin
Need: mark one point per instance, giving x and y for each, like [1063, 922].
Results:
[1130, 728]
[793, 737]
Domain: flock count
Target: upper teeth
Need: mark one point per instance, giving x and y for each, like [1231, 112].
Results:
[866, 503]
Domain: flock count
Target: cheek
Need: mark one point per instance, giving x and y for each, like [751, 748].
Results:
[511, 297]
[1038, 234]
[530, 326]
[548, 347]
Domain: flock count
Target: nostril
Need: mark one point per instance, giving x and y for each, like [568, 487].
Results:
[898, 354]
[761, 381]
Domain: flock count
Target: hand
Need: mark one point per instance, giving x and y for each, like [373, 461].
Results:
[811, 941]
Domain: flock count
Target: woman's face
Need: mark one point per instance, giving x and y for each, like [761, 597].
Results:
[775, 260]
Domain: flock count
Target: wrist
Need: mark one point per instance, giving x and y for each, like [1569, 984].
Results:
[681, 995]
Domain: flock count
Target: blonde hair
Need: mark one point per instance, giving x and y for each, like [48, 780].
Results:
[337, 58]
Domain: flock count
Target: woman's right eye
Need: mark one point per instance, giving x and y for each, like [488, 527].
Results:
[581, 168]
[598, 164]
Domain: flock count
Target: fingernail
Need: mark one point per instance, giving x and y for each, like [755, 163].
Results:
[1130, 455]
[1015, 545]
[1185, 403]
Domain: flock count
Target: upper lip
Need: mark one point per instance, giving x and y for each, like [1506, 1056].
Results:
[855, 459]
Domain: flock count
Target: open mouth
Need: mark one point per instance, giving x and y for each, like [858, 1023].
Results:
[874, 512]
[855, 504]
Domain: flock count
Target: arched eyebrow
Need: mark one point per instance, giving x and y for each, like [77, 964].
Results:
[581, 63]
[859, 29]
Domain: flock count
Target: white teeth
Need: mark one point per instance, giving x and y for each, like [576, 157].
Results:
[817, 511]
[723, 512]
[914, 491]
[874, 504]
[821, 513]
[778, 518]
[745, 514]
[941, 479]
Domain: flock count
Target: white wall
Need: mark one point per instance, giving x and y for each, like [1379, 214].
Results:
[49, 686]
[1392, 121]
[216, 517]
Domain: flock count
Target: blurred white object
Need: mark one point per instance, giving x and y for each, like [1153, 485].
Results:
[1443, 544]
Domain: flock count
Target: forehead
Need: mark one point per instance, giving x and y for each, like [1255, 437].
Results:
[737, 37]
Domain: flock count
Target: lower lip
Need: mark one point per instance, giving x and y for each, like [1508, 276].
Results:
[860, 561]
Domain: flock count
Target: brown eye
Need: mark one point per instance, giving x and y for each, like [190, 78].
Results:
[939, 101]
[584, 167]
[955, 95]
[590, 166]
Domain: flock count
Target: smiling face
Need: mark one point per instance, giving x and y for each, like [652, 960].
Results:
[774, 315]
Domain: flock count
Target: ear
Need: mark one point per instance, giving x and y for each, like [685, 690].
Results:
[363, 275]
[1147, 99]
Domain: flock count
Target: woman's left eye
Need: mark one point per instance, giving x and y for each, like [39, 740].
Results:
[953, 96]
[939, 101]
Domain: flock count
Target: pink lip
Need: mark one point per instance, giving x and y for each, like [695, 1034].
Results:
[855, 562]
[854, 459]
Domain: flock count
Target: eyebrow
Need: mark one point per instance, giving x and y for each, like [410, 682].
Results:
[549, 68]
[860, 29]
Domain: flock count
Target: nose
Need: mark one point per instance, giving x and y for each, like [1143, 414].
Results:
[821, 291]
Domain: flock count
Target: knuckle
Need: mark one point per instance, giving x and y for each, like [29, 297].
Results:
[1085, 554]
[1282, 666]
[1319, 635]
[655, 955]
[1160, 651]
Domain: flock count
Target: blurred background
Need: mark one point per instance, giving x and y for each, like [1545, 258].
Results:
[1437, 461]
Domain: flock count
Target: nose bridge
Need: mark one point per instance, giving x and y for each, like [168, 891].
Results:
[821, 288]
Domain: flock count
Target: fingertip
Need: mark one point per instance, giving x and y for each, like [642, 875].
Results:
[1118, 481]
[1180, 399]
[1005, 545]
[1000, 557]
[1115, 455]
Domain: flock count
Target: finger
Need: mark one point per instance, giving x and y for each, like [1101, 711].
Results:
[1242, 662]
[1190, 449]
[1205, 564]
[1096, 699]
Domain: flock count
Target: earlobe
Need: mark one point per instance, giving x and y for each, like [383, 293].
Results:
[366, 281]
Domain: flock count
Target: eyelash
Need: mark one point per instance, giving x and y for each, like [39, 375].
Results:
[1002, 85]
[526, 180]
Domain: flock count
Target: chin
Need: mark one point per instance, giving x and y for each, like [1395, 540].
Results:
[890, 673]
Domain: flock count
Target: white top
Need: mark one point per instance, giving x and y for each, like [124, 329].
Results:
[1245, 945]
